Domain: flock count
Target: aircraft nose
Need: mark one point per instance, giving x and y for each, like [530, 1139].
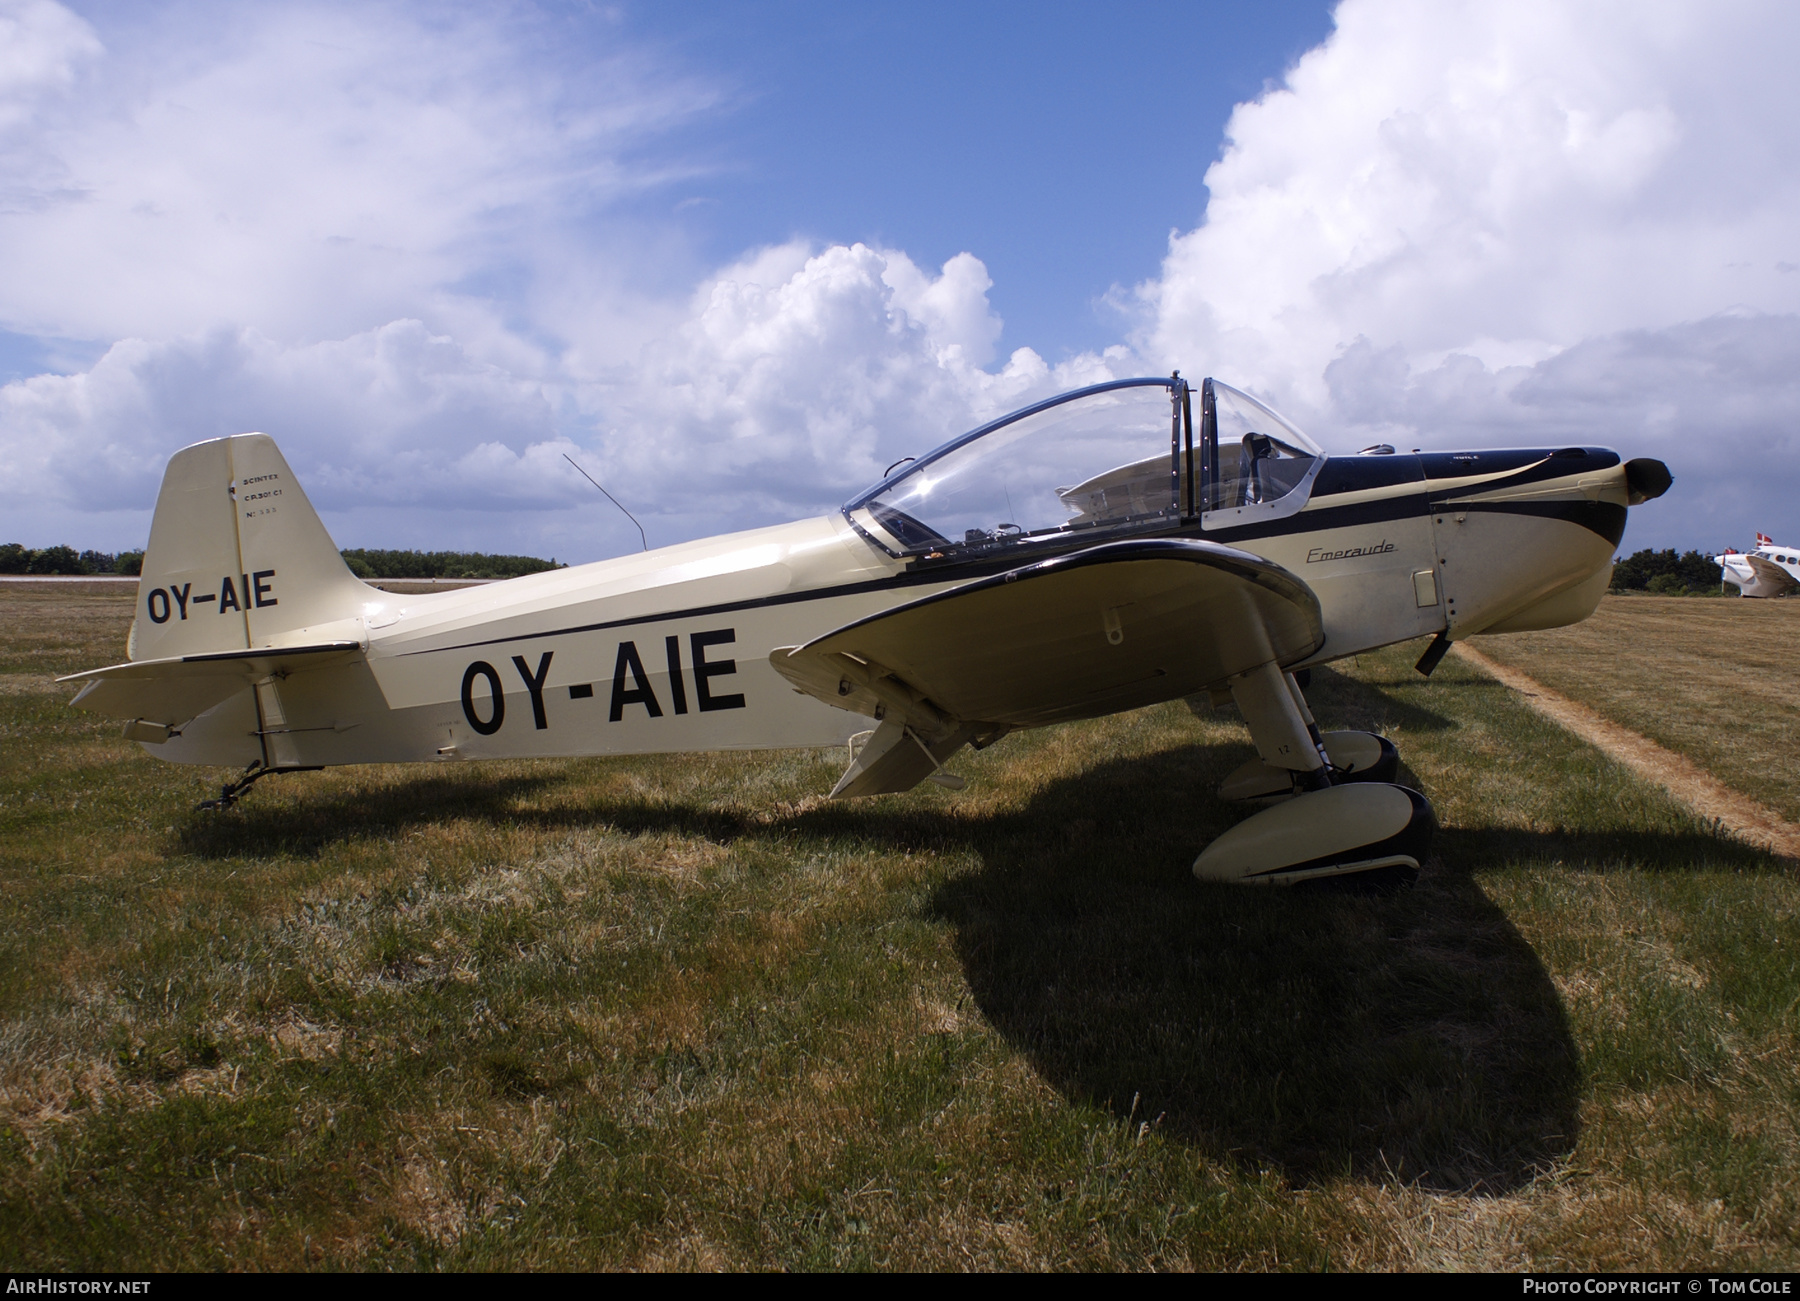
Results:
[1646, 479]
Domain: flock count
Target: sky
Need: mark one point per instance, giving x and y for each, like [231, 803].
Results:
[736, 258]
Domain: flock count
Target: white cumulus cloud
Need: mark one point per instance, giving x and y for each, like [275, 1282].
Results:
[1477, 222]
[389, 235]
[798, 376]
[41, 46]
[394, 416]
[793, 379]
[380, 233]
[310, 170]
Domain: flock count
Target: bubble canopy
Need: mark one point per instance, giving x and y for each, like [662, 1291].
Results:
[1114, 457]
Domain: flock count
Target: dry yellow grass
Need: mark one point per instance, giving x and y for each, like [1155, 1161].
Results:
[1693, 786]
[1715, 680]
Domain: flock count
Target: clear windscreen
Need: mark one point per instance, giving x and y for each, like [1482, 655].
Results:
[1093, 461]
[1261, 457]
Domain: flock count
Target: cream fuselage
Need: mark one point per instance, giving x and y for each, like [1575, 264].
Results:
[668, 650]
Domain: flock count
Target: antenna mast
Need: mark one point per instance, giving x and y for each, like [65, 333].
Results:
[614, 500]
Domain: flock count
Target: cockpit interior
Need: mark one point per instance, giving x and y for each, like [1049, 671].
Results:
[1115, 457]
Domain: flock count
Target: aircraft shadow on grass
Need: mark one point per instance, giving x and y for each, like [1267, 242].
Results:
[1415, 1036]
[311, 826]
[1378, 706]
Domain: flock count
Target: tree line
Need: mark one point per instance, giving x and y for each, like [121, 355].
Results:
[368, 563]
[16, 558]
[1668, 573]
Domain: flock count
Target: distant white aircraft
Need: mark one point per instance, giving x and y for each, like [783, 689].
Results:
[1770, 570]
[1083, 556]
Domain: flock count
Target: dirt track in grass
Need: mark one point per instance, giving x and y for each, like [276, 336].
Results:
[1700, 791]
[1711, 680]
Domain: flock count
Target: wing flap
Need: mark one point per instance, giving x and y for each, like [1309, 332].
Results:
[1115, 627]
[895, 758]
[171, 691]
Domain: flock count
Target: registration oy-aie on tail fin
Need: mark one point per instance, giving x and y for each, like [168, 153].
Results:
[241, 587]
[238, 559]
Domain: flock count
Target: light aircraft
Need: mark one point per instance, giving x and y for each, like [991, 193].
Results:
[1086, 555]
[1770, 570]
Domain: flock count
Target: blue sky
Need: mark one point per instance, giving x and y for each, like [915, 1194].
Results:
[736, 258]
[1060, 143]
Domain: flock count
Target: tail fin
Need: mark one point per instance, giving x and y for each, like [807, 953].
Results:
[238, 558]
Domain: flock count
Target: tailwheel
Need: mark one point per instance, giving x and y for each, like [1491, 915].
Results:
[1354, 756]
[1374, 831]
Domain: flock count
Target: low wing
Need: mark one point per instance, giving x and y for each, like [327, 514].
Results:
[1769, 572]
[1116, 627]
[172, 691]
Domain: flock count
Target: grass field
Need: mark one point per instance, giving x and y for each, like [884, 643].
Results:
[681, 1012]
[1713, 680]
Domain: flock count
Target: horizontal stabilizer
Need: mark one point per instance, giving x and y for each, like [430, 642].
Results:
[171, 691]
[1115, 627]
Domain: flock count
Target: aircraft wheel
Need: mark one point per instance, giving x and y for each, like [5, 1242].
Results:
[1364, 827]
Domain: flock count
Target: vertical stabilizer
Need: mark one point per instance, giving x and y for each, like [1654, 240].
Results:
[238, 558]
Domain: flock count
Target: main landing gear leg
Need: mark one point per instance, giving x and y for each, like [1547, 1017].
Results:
[1281, 726]
[1349, 757]
[1369, 828]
